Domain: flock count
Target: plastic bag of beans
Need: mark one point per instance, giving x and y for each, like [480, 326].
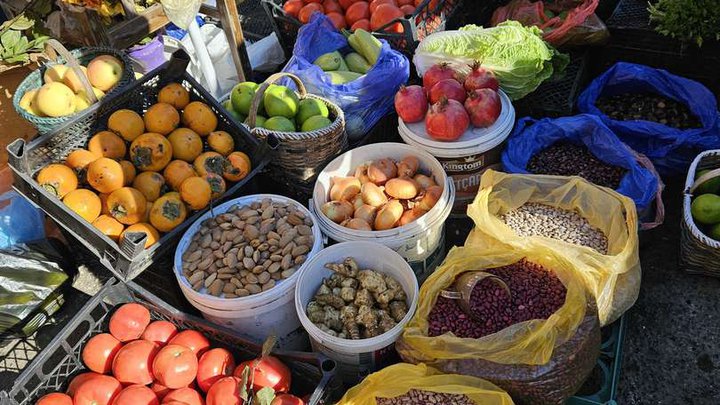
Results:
[537, 361]
[410, 384]
[612, 276]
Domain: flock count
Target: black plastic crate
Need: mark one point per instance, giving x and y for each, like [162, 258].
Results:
[129, 258]
[255, 22]
[54, 366]
[425, 21]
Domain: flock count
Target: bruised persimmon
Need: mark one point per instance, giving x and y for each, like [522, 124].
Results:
[175, 95]
[57, 179]
[217, 185]
[109, 226]
[150, 152]
[126, 123]
[161, 118]
[127, 205]
[237, 166]
[142, 227]
[221, 142]
[107, 144]
[168, 212]
[84, 202]
[176, 172]
[128, 171]
[150, 184]
[199, 117]
[186, 144]
[105, 175]
[209, 162]
[196, 192]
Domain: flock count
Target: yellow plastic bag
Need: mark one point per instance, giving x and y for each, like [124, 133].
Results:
[400, 378]
[541, 361]
[613, 279]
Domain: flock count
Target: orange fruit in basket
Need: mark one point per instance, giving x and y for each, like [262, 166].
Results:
[186, 144]
[150, 152]
[146, 217]
[152, 234]
[210, 162]
[199, 117]
[104, 210]
[128, 172]
[221, 142]
[126, 123]
[57, 179]
[150, 184]
[196, 192]
[85, 203]
[175, 95]
[237, 167]
[55, 398]
[384, 14]
[105, 175]
[217, 184]
[168, 212]
[79, 159]
[127, 205]
[176, 172]
[161, 118]
[107, 144]
[109, 226]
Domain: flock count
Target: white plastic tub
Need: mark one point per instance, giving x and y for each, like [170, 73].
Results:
[355, 358]
[259, 315]
[419, 242]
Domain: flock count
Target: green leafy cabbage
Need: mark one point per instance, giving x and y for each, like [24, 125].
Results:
[517, 55]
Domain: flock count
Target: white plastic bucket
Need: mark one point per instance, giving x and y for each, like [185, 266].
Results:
[466, 159]
[420, 242]
[255, 316]
[355, 358]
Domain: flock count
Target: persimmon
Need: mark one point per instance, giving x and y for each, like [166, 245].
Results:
[79, 159]
[209, 162]
[337, 19]
[345, 4]
[104, 209]
[307, 11]
[375, 3]
[176, 172]
[105, 175]
[107, 144]
[186, 144]
[109, 226]
[85, 203]
[221, 142]
[152, 234]
[196, 192]
[174, 94]
[150, 152]
[161, 118]
[150, 184]
[357, 11]
[128, 172]
[363, 24]
[217, 184]
[199, 117]
[127, 205]
[292, 7]
[57, 179]
[126, 123]
[168, 212]
[332, 6]
[383, 15]
[237, 166]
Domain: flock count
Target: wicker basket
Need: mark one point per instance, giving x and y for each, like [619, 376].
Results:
[699, 254]
[81, 56]
[301, 155]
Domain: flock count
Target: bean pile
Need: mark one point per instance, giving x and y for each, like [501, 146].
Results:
[419, 397]
[536, 294]
[648, 107]
[533, 219]
[569, 159]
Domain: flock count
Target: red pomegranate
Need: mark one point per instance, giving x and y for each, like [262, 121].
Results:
[480, 78]
[438, 72]
[447, 120]
[451, 89]
[483, 106]
[411, 103]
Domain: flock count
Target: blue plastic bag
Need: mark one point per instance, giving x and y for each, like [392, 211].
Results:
[365, 100]
[670, 149]
[20, 221]
[530, 136]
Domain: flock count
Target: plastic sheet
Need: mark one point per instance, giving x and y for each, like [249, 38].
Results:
[20, 221]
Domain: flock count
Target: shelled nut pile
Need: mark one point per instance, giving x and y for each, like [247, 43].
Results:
[248, 249]
[569, 159]
[648, 107]
[533, 219]
[420, 397]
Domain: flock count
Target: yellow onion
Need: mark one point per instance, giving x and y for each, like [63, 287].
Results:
[408, 166]
[411, 215]
[431, 197]
[337, 211]
[403, 188]
[361, 173]
[357, 224]
[380, 171]
[366, 213]
[357, 201]
[424, 181]
[388, 215]
[344, 188]
[372, 195]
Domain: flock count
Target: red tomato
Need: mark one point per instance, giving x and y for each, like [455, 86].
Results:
[356, 12]
[187, 396]
[98, 390]
[136, 395]
[193, 340]
[401, 3]
[77, 381]
[311, 1]
[160, 390]
[175, 366]
[225, 391]
[332, 6]
[214, 365]
[159, 332]
[308, 10]
[287, 399]
[431, 7]
[267, 371]
[133, 363]
[345, 4]
[384, 14]
[99, 352]
[375, 3]
[361, 24]
[408, 9]
[293, 7]
[337, 19]
[129, 322]
[55, 398]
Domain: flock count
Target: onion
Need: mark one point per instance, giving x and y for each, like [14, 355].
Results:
[372, 195]
[402, 188]
[411, 215]
[408, 166]
[344, 188]
[380, 171]
[357, 224]
[431, 197]
[388, 215]
[424, 181]
[337, 211]
[357, 201]
[361, 173]
[366, 213]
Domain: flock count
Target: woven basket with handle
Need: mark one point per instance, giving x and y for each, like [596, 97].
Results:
[73, 59]
[699, 254]
[301, 155]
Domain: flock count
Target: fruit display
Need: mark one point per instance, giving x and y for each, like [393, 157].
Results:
[357, 303]
[648, 107]
[455, 101]
[142, 361]
[705, 207]
[62, 92]
[147, 173]
[345, 68]
[354, 14]
[381, 195]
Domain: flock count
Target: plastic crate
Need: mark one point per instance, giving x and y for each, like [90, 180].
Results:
[128, 259]
[255, 22]
[425, 21]
[53, 367]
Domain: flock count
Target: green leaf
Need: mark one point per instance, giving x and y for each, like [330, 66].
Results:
[22, 23]
[9, 39]
[265, 396]
[22, 45]
[244, 384]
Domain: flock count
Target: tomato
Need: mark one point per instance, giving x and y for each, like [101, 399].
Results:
[293, 7]
[99, 352]
[133, 363]
[332, 6]
[357, 11]
[407, 9]
[345, 4]
[160, 390]
[225, 391]
[337, 19]
[375, 3]
[159, 332]
[214, 365]
[268, 371]
[401, 3]
[175, 366]
[311, 1]
[193, 340]
[98, 390]
[361, 24]
[77, 381]
[383, 15]
[287, 399]
[129, 322]
[187, 396]
[136, 395]
[55, 398]
[307, 11]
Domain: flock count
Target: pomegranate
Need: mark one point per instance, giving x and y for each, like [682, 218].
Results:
[436, 73]
[447, 120]
[483, 106]
[480, 78]
[451, 89]
[411, 103]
